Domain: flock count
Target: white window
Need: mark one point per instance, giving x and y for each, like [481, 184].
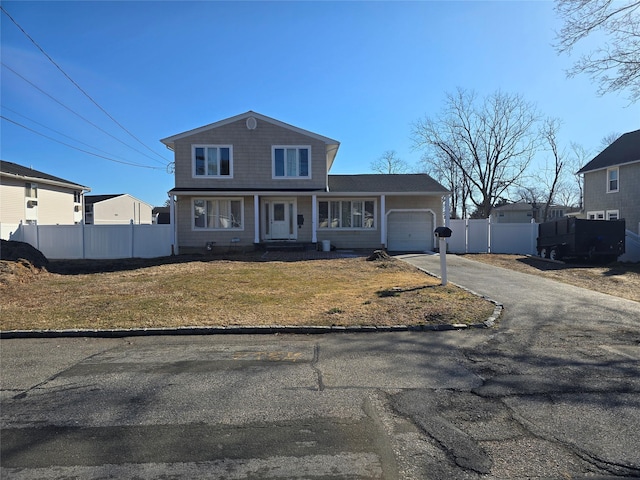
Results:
[31, 190]
[291, 161]
[212, 161]
[352, 214]
[595, 215]
[218, 214]
[613, 214]
[612, 180]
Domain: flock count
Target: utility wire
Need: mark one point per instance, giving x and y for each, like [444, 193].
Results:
[4, 107]
[78, 86]
[76, 148]
[77, 114]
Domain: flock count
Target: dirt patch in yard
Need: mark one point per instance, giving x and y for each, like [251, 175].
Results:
[618, 279]
[276, 288]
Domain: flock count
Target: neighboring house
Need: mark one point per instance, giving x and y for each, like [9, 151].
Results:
[161, 215]
[31, 196]
[251, 179]
[116, 209]
[522, 212]
[612, 182]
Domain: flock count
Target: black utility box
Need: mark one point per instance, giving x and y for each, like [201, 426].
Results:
[581, 238]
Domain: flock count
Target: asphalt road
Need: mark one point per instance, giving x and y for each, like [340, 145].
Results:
[551, 392]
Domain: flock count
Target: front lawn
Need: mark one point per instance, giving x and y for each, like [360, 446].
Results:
[232, 291]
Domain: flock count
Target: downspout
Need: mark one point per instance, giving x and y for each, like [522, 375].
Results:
[383, 221]
[256, 219]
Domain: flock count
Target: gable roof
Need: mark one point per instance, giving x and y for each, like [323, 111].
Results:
[625, 149]
[385, 183]
[14, 170]
[93, 199]
[90, 199]
[169, 141]
[332, 145]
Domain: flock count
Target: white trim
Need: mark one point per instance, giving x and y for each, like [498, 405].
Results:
[314, 216]
[617, 189]
[212, 198]
[256, 219]
[608, 166]
[293, 217]
[286, 147]
[218, 147]
[345, 229]
[613, 212]
[596, 215]
[383, 221]
[169, 141]
[415, 210]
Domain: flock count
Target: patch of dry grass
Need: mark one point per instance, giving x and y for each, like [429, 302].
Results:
[618, 279]
[342, 291]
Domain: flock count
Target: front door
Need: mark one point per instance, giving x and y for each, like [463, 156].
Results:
[280, 219]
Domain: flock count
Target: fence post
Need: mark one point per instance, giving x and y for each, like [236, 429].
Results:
[132, 235]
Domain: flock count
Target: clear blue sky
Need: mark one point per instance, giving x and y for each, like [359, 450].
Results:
[358, 72]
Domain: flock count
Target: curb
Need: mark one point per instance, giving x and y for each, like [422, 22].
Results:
[248, 330]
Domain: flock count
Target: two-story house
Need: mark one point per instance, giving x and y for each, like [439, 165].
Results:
[612, 182]
[251, 179]
[31, 196]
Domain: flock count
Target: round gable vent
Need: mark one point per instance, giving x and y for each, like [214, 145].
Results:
[252, 123]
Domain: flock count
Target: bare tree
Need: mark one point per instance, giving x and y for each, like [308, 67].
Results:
[491, 141]
[608, 139]
[389, 163]
[552, 175]
[578, 158]
[616, 64]
[444, 170]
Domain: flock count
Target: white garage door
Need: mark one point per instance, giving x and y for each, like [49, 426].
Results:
[409, 231]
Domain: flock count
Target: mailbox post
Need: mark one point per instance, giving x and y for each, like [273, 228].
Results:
[442, 233]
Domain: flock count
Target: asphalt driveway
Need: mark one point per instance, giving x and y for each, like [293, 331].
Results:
[564, 363]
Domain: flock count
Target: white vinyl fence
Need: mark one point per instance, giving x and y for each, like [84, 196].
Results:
[483, 236]
[94, 241]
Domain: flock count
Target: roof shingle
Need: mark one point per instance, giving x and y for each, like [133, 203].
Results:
[625, 149]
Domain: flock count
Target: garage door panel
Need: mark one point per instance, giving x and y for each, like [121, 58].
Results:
[409, 231]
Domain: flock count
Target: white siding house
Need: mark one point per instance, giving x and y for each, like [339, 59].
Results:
[30, 196]
[117, 209]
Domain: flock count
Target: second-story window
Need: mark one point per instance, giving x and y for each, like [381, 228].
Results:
[612, 180]
[212, 161]
[291, 162]
[31, 190]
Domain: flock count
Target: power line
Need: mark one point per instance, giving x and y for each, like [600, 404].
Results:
[4, 107]
[76, 113]
[76, 148]
[78, 86]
